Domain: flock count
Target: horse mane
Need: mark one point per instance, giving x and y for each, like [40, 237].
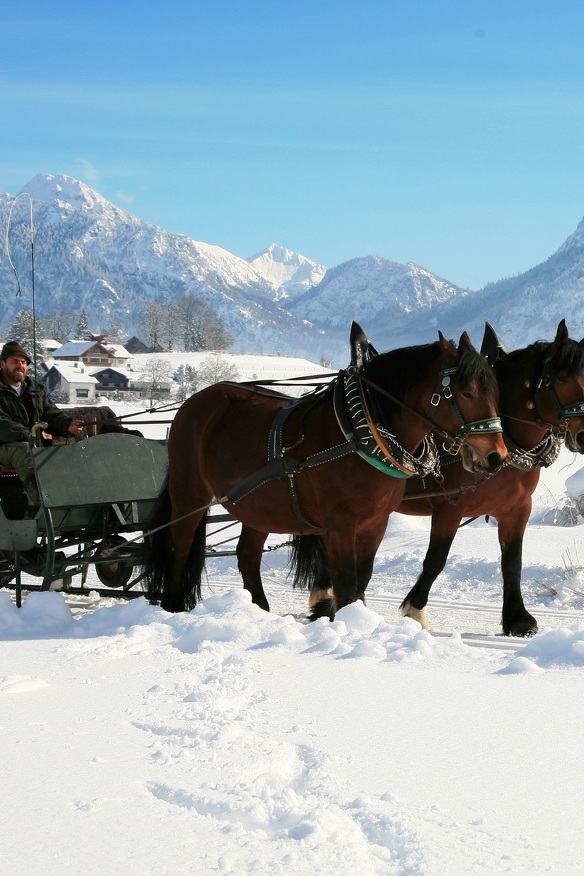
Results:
[400, 369]
[568, 357]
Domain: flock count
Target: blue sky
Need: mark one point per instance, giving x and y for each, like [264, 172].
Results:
[446, 133]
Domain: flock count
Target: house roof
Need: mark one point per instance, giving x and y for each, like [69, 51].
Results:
[99, 369]
[71, 374]
[119, 351]
[78, 348]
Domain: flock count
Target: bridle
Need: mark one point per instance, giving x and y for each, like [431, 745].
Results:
[559, 427]
[452, 442]
[565, 412]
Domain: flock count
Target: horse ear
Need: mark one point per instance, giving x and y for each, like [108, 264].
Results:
[493, 348]
[562, 335]
[449, 350]
[465, 341]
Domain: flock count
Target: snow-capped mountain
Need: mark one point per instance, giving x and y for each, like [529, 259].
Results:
[398, 305]
[90, 254]
[529, 306]
[385, 297]
[290, 273]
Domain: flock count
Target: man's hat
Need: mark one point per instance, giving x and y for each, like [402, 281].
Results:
[13, 348]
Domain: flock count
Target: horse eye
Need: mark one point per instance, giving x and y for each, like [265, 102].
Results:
[467, 393]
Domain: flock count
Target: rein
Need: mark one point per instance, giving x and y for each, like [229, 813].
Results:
[477, 427]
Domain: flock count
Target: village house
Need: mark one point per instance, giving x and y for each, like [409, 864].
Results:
[111, 380]
[72, 381]
[91, 353]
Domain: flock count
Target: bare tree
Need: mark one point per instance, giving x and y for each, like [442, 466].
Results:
[58, 325]
[114, 332]
[170, 326]
[151, 322]
[216, 368]
[200, 327]
[156, 375]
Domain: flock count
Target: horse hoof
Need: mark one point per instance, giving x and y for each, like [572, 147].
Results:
[324, 608]
[522, 629]
[417, 614]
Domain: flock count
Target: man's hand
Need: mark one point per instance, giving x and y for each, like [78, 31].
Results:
[77, 427]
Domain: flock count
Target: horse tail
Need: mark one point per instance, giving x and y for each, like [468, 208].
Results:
[309, 562]
[195, 565]
[157, 566]
[157, 555]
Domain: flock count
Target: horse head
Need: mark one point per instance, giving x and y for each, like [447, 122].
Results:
[542, 390]
[446, 389]
[473, 401]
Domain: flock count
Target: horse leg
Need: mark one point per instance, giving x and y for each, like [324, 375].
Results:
[249, 557]
[190, 502]
[364, 573]
[324, 600]
[515, 620]
[182, 584]
[441, 537]
[343, 561]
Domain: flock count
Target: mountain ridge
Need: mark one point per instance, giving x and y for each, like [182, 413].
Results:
[91, 254]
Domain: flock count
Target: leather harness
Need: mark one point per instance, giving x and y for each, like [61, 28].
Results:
[361, 429]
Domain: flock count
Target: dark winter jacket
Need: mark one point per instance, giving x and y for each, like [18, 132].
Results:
[18, 413]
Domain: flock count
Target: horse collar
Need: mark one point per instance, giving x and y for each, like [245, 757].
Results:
[374, 442]
[542, 455]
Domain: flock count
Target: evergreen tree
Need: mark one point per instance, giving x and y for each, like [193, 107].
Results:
[187, 378]
[27, 331]
[82, 326]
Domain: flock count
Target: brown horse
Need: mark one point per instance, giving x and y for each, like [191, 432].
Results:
[317, 465]
[542, 405]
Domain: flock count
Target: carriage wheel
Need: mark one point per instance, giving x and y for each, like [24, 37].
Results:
[114, 573]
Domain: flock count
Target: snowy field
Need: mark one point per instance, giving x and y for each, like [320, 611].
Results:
[231, 741]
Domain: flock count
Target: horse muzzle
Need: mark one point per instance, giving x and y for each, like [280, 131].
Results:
[575, 443]
[474, 461]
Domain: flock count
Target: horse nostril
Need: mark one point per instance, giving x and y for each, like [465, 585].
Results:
[494, 460]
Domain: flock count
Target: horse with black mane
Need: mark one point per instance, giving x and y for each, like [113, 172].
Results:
[542, 407]
[333, 463]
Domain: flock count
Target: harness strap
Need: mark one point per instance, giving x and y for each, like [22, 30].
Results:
[285, 466]
[541, 456]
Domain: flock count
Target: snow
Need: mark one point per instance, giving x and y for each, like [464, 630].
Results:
[232, 741]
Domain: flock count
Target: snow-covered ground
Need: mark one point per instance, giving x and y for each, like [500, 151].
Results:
[231, 741]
